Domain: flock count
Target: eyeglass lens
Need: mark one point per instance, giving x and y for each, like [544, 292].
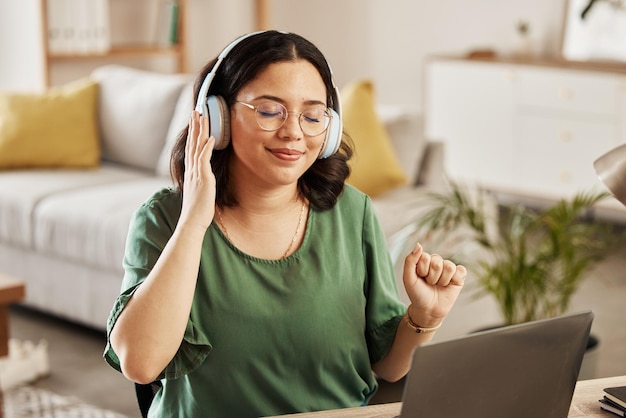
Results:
[271, 116]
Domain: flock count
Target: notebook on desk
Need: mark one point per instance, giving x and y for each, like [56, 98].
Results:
[526, 370]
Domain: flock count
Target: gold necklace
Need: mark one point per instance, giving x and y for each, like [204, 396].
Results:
[220, 220]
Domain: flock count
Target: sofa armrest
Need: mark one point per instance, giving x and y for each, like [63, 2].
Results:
[432, 173]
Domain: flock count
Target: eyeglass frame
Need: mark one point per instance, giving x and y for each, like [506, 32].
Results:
[299, 114]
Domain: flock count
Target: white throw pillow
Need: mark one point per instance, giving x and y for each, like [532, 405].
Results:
[182, 113]
[135, 110]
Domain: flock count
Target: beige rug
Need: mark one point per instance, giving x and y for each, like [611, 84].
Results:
[30, 402]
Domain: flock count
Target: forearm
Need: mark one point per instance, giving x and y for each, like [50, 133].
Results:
[151, 327]
[433, 285]
[397, 361]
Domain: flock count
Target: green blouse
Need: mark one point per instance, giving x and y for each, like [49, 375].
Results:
[269, 337]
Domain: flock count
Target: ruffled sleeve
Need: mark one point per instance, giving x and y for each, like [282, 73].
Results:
[150, 229]
[384, 308]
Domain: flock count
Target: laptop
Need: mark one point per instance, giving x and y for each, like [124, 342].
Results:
[525, 370]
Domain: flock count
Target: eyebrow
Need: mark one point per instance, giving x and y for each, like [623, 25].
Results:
[283, 102]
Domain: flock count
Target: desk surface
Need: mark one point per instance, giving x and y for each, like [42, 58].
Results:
[584, 403]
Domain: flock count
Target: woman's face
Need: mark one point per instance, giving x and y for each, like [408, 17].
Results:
[280, 157]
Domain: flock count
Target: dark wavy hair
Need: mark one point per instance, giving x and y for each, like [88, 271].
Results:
[324, 181]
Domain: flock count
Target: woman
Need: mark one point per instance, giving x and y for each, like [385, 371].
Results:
[262, 284]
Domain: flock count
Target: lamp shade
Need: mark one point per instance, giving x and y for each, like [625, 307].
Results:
[611, 168]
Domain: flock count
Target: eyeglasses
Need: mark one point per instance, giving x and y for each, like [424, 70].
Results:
[270, 116]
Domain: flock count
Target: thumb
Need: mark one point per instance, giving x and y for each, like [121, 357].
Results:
[410, 262]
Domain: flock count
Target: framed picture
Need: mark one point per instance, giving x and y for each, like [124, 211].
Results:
[594, 30]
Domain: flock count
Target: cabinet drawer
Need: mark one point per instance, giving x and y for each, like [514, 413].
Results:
[555, 156]
[540, 176]
[570, 91]
[552, 134]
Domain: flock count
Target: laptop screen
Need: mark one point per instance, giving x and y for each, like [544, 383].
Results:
[525, 370]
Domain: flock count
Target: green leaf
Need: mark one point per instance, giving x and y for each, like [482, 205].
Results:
[531, 261]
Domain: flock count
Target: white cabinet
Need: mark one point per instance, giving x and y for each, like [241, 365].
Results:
[524, 129]
[470, 108]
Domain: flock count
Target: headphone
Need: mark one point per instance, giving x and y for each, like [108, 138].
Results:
[216, 109]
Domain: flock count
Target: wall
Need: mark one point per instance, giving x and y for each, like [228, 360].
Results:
[341, 29]
[21, 58]
[212, 24]
[387, 41]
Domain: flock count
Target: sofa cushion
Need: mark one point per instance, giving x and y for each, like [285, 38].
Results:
[57, 286]
[90, 226]
[401, 206]
[22, 190]
[182, 113]
[375, 168]
[405, 129]
[136, 107]
[56, 128]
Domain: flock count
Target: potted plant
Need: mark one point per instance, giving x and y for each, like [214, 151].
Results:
[530, 260]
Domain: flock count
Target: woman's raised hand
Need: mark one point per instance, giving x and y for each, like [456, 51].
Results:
[432, 284]
[199, 181]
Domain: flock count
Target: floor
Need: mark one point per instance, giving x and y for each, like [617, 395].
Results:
[76, 364]
[77, 367]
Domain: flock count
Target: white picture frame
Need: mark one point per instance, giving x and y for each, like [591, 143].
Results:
[599, 36]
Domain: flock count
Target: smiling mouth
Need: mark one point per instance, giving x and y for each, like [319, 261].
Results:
[286, 154]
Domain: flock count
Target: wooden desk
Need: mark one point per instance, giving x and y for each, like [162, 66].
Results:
[584, 403]
[11, 290]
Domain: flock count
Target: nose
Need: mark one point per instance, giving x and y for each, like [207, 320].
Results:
[291, 128]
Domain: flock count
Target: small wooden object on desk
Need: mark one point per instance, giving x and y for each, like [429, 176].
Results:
[11, 290]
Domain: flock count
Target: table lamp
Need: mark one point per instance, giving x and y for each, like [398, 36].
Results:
[611, 168]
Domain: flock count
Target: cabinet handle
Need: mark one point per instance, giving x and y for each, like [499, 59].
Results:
[566, 136]
[566, 94]
[508, 75]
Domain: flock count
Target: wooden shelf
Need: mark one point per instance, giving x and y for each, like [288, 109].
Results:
[116, 52]
[120, 51]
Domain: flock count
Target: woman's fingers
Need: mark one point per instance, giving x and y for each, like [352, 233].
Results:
[433, 268]
[196, 149]
[190, 144]
[193, 143]
[460, 273]
[202, 136]
[422, 268]
[199, 188]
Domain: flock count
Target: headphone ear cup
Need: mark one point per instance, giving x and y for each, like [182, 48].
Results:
[219, 121]
[333, 136]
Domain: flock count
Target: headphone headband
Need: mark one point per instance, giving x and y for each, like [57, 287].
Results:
[204, 89]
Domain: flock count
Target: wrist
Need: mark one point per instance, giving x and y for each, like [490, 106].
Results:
[187, 233]
[421, 327]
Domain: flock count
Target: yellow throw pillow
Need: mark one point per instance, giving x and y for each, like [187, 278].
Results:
[375, 167]
[56, 128]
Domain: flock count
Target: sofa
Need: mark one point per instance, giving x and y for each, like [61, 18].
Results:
[78, 159]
